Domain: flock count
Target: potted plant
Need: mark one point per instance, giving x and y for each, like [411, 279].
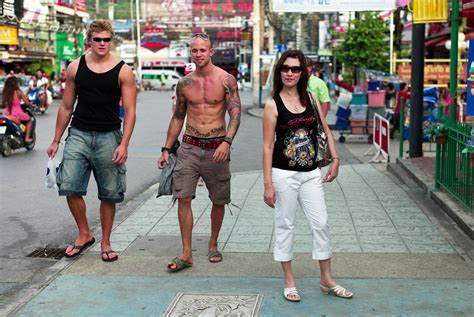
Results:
[435, 131]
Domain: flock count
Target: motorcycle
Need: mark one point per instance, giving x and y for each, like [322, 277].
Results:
[12, 135]
[34, 99]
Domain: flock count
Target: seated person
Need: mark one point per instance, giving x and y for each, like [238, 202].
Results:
[11, 100]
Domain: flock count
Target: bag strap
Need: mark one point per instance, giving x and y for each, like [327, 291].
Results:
[315, 108]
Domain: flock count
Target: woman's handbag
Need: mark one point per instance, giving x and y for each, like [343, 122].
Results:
[323, 155]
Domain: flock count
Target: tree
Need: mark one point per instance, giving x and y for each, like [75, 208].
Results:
[365, 43]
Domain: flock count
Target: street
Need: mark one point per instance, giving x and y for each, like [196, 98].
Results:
[35, 217]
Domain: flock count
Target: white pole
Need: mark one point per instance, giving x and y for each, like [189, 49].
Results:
[139, 60]
[256, 55]
[391, 42]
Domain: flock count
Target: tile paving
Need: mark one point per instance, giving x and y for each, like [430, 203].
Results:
[367, 213]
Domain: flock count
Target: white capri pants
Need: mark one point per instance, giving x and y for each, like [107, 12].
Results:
[306, 188]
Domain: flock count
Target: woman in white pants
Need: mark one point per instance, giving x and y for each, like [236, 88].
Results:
[291, 174]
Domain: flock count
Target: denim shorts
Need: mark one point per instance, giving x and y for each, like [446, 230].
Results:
[87, 151]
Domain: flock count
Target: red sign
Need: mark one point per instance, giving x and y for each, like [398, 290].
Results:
[80, 4]
[377, 131]
[384, 129]
[225, 7]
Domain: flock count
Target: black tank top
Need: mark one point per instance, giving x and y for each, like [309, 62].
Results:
[294, 148]
[98, 99]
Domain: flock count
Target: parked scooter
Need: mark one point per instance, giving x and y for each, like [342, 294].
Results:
[12, 135]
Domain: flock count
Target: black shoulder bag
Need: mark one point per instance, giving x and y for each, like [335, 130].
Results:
[323, 155]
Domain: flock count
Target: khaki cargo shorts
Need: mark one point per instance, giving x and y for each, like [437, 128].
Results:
[193, 162]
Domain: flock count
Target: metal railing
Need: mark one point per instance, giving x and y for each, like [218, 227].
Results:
[455, 169]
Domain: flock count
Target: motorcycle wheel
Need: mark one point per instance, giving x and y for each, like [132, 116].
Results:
[31, 145]
[5, 147]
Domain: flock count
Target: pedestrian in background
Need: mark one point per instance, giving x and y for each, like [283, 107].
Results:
[291, 174]
[95, 142]
[405, 94]
[203, 97]
[11, 100]
[318, 88]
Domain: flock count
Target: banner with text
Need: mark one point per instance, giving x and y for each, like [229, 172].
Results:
[434, 73]
[332, 5]
[470, 83]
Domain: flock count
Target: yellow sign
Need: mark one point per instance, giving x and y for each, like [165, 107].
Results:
[429, 11]
[8, 35]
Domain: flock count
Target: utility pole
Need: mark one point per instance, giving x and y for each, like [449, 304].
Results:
[111, 10]
[139, 60]
[97, 9]
[416, 99]
[76, 32]
[256, 55]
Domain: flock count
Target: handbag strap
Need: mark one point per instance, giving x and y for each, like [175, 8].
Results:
[315, 108]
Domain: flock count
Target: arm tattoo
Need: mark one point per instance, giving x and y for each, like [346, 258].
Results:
[198, 134]
[232, 100]
[181, 105]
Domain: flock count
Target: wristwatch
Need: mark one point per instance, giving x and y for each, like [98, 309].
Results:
[228, 139]
[164, 148]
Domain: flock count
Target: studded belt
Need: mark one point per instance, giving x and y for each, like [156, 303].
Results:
[203, 143]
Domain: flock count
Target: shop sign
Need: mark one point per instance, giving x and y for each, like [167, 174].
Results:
[80, 4]
[468, 8]
[66, 48]
[33, 45]
[332, 5]
[7, 7]
[230, 7]
[178, 50]
[438, 73]
[8, 35]
[470, 83]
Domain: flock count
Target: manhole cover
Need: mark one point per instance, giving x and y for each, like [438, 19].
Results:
[50, 253]
[191, 305]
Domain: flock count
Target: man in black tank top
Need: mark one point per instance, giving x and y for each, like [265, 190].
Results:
[98, 80]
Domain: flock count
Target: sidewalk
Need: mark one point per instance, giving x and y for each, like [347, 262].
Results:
[389, 249]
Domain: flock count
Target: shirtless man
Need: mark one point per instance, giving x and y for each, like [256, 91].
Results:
[203, 97]
[95, 141]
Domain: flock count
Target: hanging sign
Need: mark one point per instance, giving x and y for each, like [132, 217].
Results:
[470, 84]
[332, 5]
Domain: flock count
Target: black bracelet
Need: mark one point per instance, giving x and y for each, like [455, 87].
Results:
[164, 148]
[228, 139]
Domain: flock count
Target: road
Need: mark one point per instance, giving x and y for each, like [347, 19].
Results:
[34, 216]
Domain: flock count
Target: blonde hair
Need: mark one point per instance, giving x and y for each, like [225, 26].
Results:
[100, 26]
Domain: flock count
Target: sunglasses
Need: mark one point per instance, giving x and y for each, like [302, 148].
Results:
[102, 39]
[294, 69]
[203, 36]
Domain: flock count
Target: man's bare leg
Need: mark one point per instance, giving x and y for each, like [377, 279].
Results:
[107, 214]
[217, 217]
[185, 216]
[77, 206]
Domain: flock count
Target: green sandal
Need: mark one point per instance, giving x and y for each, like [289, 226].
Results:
[214, 254]
[180, 265]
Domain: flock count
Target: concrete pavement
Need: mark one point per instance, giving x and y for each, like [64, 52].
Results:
[392, 247]
[387, 250]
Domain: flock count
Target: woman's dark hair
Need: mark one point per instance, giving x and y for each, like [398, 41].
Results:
[302, 85]
[11, 85]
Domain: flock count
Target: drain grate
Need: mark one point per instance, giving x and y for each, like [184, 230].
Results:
[47, 252]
